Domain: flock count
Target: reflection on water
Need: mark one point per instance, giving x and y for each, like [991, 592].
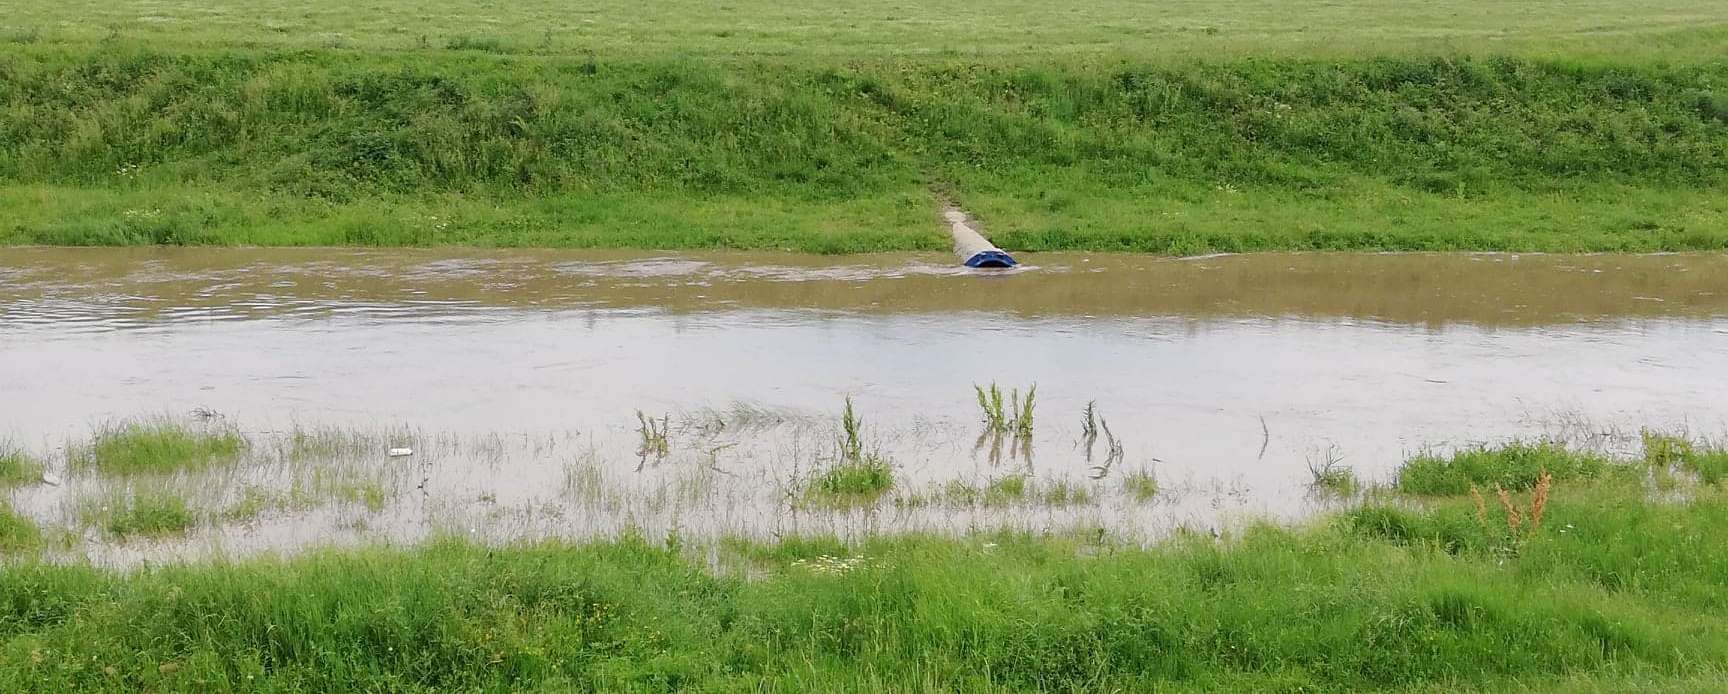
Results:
[127, 288]
[1225, 376]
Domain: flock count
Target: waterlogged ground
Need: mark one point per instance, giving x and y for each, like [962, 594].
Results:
[516, 377]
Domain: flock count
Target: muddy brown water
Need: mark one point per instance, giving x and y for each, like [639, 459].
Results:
[1223, 376]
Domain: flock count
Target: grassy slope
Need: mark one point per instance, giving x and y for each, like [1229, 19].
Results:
[1615, 593]
[1578, 126]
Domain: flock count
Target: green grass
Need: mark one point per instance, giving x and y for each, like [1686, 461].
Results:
[1007, 489]
[1330, 476]
[863, 478]
[1515, 467]
[149, 513]
[17, 533]
[1531, 136]
[1140, 485]
[18, 466]
[1617, 592]
[1669, 452]
[1711, 466]
[1064, 493]
[864, 28]
[155, 447]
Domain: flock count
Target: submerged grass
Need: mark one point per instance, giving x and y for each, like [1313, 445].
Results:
[139, 512]
[1140, 485]
[1614, 590]
[17, 532]
[18, 466]
[862, 478]
[155, 447]
[1330, 474]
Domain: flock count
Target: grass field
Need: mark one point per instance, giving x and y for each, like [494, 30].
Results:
[1588, 574]
[893, 27]
[1180, 128]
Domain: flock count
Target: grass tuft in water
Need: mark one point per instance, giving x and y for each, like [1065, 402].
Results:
[156, 447]
[1140, 485]
[330, 444]
[1668, 452]
[1006, 489]
[1330, 474]
[654, 433]
[17, 532]
[1064, 493]
[149, 513]
[861, 479]
[851, 433]
[1008, 412]
[1515, 466]
[585, 482]
[17, 466]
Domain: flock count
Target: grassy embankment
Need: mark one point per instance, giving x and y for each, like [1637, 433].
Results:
[1603, 577]
[1185, 129]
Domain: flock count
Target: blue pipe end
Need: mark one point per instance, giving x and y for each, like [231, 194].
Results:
[992, 258]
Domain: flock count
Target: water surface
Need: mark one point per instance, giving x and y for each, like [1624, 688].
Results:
[1225, 376]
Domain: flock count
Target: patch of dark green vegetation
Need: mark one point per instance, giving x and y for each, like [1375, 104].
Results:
[126, 144]
[1515, 467]
[155, 447]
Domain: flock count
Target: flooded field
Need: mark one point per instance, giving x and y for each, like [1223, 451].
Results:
[572, 393]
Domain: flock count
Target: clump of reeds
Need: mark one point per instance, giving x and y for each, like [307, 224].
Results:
[1329, 473]
[1140, 485]
[1010, 413]
[851, 433]
[654, 433]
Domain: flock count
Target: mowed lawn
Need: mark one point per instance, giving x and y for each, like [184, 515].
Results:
[897, 27]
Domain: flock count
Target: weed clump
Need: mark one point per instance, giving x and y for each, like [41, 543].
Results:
[155, 448]
[146, 513]
[17, 533]
[856, 475]
[1666, 452]
[1516, 466]
[863, 478]
[1016, 417]
[1064, 493]
[654, 434]
[1711, 466]
[17, 466]
[1140, 485]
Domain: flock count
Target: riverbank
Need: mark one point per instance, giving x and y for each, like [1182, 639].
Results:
[125, 143]
[1588, 575]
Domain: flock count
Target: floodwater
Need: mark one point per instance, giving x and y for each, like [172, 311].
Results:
[518, 375]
